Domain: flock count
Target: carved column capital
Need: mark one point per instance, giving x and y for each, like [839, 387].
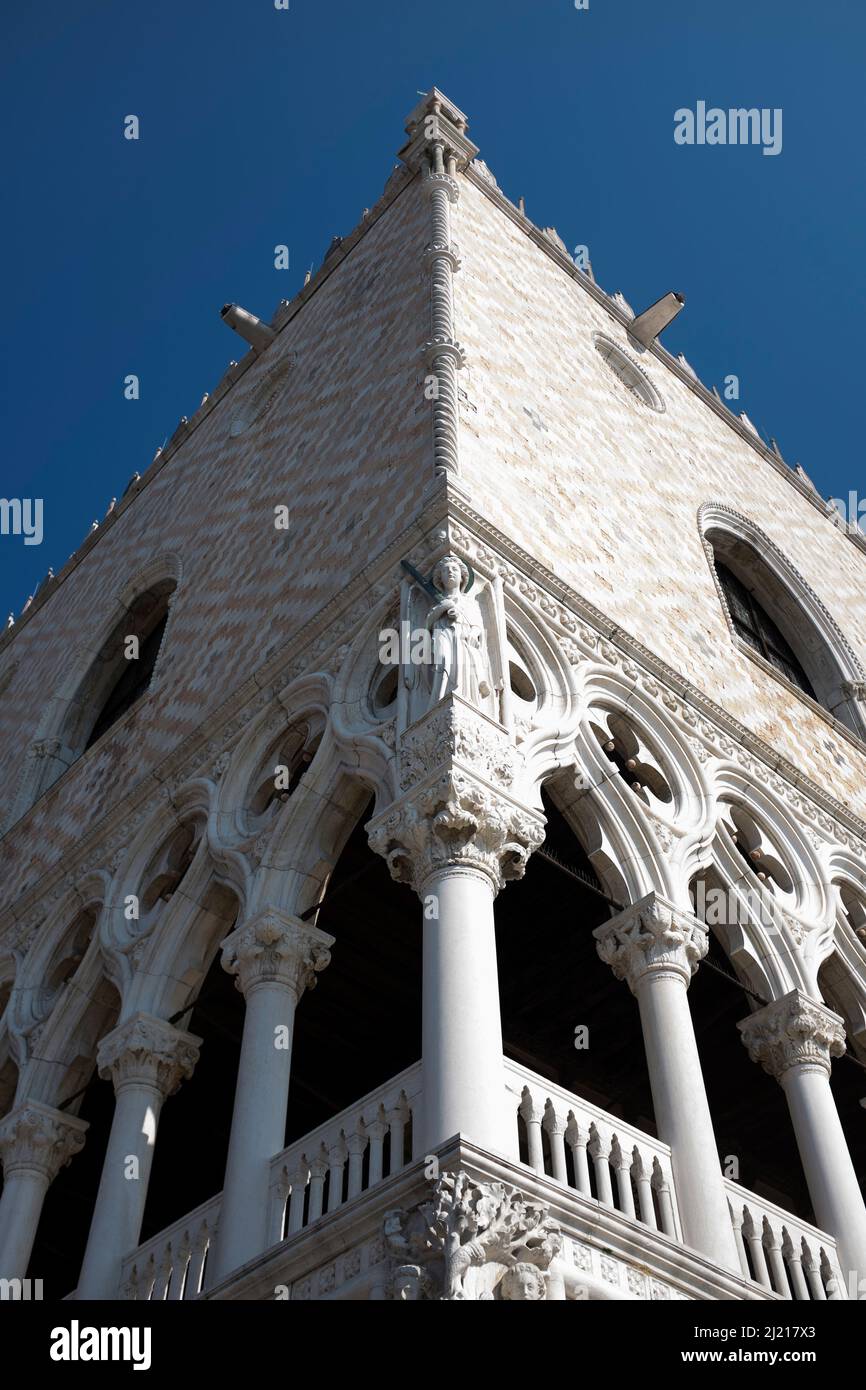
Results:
[275, 948]
[457, 822]
[652, 937]
[793, 1031]
[147, 1051]
[35, 1138]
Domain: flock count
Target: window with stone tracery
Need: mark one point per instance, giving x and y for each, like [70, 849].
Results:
[757, 629]
[774, 614]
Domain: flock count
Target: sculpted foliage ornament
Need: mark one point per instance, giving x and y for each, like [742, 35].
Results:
[36, 1139]
[452, 731]
[651, 935]
[473, 1241]
[147, 1051]
[793, 1031]
[484, 1224]
[276, 948]
[456, 821]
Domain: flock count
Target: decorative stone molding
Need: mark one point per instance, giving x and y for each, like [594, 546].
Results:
[710, 730]
[652, 936]
[452, 731]
[147, 1051]
[854, 690]
[37, 1139]
[472, 1242]
[793, 1031]
[484, 1225]
[459, 822]
[275, 948]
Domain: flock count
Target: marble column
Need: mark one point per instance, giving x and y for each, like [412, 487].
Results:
[146, 1059]
[458, 841]
[275, 958]
[36, 1141]
[461, 1026]
[656, 948]
[795, 1039]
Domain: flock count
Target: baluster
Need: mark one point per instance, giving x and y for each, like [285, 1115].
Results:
[737, 1223]
[756, 1249]
[830, 1279]
[356, 1144]
[773, 1246]
[662, 1187]
[300, 1178]
[643, 1184]
[576, 1138]
[555, 1127]
[163, 1278]
[149, 1278]
[376, 1132]
[532, 1117]
[198, 1254]
[129, 1290]
[599, 1148]
[813, 1274]
[318, 1169]
[176, 1287]
[397, 1118]
[794, 1265]
[337, 1155]
[281, 1186]
[623, 1178]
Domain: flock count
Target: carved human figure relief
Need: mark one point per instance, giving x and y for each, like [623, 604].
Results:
[461, 624]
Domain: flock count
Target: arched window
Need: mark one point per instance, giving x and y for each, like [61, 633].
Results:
[132, 684]
[121, 678]
[757, 629]
[776, 615]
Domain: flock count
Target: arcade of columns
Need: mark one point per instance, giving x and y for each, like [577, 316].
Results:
[456, 760]
[457, 816]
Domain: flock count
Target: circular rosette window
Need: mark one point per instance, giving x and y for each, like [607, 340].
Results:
[628, 373]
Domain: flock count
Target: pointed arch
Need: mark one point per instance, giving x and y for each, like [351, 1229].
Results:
[774, 587]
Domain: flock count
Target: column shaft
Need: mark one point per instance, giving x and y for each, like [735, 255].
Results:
[120, 1200]
[258, 1127]
[275, 958]
[795, 1039]
[35, 1142]
[830, 1175]
[683, 1116]
[656, 946]
[146, 1058]
[464, 1085]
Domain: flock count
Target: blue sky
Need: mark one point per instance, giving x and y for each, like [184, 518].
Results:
[261, 126]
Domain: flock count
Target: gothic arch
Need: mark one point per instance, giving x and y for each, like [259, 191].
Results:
[834, 670]
[293, 727]
[89, 676]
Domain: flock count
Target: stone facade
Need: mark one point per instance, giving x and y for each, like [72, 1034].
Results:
[435, 396]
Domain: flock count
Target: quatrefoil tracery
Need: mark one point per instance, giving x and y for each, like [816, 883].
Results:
[757, 850]
[633, 760]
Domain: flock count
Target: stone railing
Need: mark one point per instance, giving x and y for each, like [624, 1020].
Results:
[315, 1175]
[171, 1265]
[782, 1253]
[348, 1155]
[592, 1152]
